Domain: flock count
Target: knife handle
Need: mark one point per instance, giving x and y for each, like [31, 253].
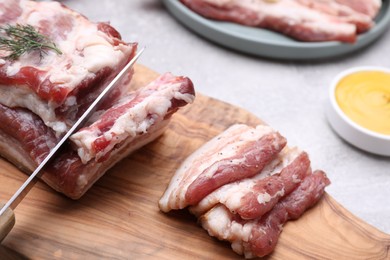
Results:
[7, 221]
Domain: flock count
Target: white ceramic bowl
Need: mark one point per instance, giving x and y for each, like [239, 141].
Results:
[353, 133]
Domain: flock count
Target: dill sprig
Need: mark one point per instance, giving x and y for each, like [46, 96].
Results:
[19, 39]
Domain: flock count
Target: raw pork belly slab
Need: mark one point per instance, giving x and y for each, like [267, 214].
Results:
[136, 120]
[303, 20]
[249, 209]
[59, 87]
[41, 96]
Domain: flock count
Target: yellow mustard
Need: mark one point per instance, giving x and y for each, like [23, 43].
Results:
[365, 98]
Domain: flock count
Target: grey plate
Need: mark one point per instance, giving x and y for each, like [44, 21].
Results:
[270, 44]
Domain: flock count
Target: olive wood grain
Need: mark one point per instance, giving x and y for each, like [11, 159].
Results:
[7, 222]
[118, 218]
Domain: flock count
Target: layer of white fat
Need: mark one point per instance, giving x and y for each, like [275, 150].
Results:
[18, 96]
[85, 49]
[241, 235]
[186, 97]
[265, 197]
[218, 223]
[133, 122]
[231, 194]
[222, 146]
[375, 7]
[377, 3]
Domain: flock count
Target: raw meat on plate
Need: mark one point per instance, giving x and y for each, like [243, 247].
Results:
[344, 13]
[303, 20]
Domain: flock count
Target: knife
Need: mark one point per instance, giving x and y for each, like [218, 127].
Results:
[7, 217]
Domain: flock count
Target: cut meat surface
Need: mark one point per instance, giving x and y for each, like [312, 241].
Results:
[69, 175]
[72, 174]
[59, 87]
[25, 133]
[304, 20]
[258, 237]
[239, 152]
[252, 198]
[133, 116]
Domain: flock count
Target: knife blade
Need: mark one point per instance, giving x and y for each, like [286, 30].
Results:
[7, 218]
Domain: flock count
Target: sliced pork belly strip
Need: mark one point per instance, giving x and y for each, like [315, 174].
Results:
[291, 208]
[346, 14]
[267, 192]
[284, 16]
[230, 194]
[367, 7]
[257, 238]
[56, 87]
[249, 160]
[133, 116]
[252, 198]
[239, 152]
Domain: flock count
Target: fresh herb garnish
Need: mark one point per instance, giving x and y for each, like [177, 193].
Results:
[19, 39]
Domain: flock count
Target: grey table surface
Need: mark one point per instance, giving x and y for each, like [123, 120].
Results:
[288, 95]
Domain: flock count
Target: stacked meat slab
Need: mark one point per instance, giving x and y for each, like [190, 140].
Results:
[304, 20]
[243, 185]
[41, 96]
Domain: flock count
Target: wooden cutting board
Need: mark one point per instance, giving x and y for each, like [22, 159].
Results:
[119, 217]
